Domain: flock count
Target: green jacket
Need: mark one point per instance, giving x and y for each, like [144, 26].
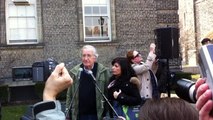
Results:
[102, 78]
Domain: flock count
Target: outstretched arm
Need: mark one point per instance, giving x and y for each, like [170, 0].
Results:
[57, 82]
[49, 108]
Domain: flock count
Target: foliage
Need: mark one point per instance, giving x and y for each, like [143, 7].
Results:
[195, 77]
[13, 112]
[4, 93]
[39, 87]
[181, 75]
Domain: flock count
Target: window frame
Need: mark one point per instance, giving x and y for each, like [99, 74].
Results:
[26, 40]
[108, 15]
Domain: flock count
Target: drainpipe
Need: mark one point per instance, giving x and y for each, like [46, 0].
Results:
[42, 21]
[195, 28]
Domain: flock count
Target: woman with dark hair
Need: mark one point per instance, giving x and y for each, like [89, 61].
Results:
[123, 88]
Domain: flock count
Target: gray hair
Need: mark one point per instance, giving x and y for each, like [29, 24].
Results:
[90, 47]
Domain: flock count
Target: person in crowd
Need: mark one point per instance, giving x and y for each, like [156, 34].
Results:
[50, 108]
[206, 41]
[204, 102]
[162, 75]
[123, 86]
[167, 109]
[145, 72]
[84, 101]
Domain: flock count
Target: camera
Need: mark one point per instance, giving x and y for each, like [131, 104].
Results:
[185, 89]
[42, 70]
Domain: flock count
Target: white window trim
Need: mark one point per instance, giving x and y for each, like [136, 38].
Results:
[98, 39]
[21, 1]
[16, 42]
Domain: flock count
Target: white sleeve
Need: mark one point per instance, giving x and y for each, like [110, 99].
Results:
[140, 68]
[150, 59]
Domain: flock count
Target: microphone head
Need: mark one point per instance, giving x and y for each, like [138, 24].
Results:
[80, 69]
[90, 72]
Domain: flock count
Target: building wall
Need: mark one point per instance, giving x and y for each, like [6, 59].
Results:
[60, 26]
[187, 32]
[196, 20]
[204, 18]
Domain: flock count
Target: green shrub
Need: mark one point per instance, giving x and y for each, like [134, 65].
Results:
[4, 93]
[13, 112]
[185, 75]
[39, 87]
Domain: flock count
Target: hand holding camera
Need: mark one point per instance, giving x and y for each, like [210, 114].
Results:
[57, 82]
[206, 64]
[204, 85]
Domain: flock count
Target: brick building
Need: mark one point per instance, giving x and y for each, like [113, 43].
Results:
[34, 30]
[195, 23]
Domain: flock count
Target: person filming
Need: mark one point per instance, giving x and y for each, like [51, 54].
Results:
[50, 108]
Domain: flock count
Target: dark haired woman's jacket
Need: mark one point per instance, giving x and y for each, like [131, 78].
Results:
[129, 95]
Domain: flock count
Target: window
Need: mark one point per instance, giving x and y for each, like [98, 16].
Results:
[96, 20]
[20, 1]
[21, 22]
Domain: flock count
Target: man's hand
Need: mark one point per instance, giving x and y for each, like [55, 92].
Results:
[57, 82]
[152, 47]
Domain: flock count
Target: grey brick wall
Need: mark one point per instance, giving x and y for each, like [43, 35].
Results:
[60, 29]
[167, 13]
[204, 18]
[60, 25]
[167, 4]
[136, 20]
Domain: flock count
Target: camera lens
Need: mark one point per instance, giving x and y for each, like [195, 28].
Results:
[186, 90]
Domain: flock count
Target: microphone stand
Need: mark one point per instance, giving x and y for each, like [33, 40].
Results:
[94, 81]
[71, 102]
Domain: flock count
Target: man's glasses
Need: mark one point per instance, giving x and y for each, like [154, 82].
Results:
[138, 55]
[87, 55]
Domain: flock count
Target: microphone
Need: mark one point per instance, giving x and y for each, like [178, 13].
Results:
[91, 73]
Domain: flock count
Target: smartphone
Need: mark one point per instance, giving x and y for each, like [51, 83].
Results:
[205, 61]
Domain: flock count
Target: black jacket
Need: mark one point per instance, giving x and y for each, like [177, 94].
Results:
[129, 95]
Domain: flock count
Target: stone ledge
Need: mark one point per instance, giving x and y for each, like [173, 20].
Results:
[21, 83]
[191, 69]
